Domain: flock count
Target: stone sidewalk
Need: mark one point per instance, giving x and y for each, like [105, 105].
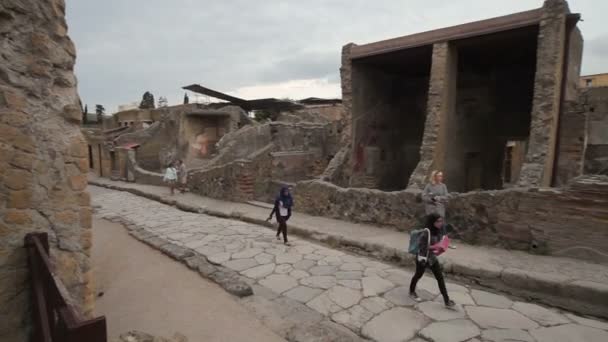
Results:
[571, 284]
[316, 293]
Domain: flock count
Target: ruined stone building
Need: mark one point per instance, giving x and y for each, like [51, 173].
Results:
[43, 160]
[489, 102]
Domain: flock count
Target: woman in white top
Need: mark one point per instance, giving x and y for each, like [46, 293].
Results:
[171, 177]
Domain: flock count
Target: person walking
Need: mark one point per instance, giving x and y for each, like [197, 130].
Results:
[171, 177]
[282, 210]
[426, 258]
[435, 196]
[182, 176]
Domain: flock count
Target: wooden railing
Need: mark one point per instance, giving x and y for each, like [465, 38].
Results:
[54, 318]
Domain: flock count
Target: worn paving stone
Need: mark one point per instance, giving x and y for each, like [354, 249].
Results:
[220, 258]
[330, 261]
[344, 297]
[323, 331]
[283, 269]
[324, 305]
[353, 318]
[438, 312]
[399, 277]
[499, 318]
[451, 331]
[299, 274]
[210, 250]
[328, 252]
[305, 249]
[353, 284]
[303, 294]
[400, 296]
[458, 298]
[349, 275]
[484, 298]
[259, 272]
[373, 286]
[376, 304]
[588, 322]
[279, 283]
[569, 333]
[543, 316]
[321, 282]
[506, 335]
[264, 258]
[247, 253]
[304, 265]
[394, 325]
[374, 272]
[313, 257]
[352, 266]
[288, 258]
[241, 264]
[322, 270]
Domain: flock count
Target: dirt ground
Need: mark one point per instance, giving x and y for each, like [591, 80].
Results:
[147, 291]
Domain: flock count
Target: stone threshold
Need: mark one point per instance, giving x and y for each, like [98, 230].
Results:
[555, 289]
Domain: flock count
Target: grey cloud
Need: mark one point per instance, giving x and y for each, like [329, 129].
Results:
[127, 47]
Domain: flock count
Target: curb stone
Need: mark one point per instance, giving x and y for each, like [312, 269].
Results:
[583, 297]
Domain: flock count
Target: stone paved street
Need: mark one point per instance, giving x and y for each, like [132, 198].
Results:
[364, 295]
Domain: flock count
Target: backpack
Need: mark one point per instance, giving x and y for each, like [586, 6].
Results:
[415, 235]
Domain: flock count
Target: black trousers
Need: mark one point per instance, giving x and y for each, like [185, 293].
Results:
[282, 227]
[437, 272]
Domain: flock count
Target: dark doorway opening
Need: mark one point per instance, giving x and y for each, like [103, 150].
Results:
[389, 113]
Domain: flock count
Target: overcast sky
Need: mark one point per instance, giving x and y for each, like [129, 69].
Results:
[265, 48]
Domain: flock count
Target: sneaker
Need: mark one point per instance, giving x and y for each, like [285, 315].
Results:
[452, 247]
[287, 244]
[450, 304]
[278, 238]
[415, 297]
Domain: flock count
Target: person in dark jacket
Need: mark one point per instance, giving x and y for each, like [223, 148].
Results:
[282, 210]
[426, 257]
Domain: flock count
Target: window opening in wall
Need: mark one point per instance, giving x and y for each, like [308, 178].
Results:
[508, 164]
[589, 83]
[90, 157]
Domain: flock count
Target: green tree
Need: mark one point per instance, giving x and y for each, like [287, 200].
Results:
[100, 111]
[147, 101]
[263, 115]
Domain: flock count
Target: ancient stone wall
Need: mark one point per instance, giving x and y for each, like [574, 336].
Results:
[568, 222]
[239, 180]
[596, 155]
[538, 167]
[347, 93]
[43, 159]
[440, 100]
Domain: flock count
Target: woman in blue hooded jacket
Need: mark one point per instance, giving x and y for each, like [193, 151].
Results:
[282, 209]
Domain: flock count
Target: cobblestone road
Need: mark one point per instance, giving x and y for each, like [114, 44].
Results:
[368, 297]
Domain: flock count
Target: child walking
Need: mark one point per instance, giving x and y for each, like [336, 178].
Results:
[426, 257]
[282, 209]
[171, 177]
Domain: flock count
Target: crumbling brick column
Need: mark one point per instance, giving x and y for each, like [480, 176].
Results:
[538, 166]
[43, 159]
[440, 101]
[346, 72]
